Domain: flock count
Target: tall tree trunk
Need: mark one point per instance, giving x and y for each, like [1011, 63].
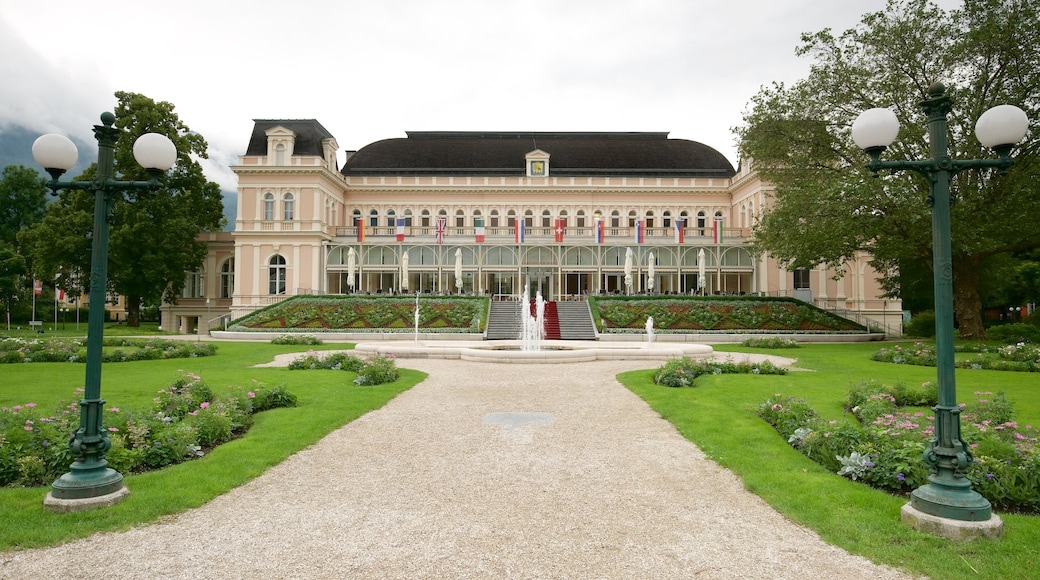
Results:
[967, 304]
[133, 311]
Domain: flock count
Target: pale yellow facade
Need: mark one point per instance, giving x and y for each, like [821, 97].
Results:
[298, 223]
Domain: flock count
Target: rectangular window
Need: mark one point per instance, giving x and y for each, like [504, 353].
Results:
[801, 279]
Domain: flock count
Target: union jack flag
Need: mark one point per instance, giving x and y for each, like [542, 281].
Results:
[442, 225]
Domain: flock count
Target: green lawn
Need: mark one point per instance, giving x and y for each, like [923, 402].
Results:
[327, 400]
[719, 415]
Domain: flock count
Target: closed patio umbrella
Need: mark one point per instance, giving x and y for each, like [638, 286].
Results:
[650, 272]
[458, 269]
[404, 271]
[351, 267]
[701, 280]
[628, 270]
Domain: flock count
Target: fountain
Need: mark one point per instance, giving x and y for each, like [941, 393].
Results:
[532, 326]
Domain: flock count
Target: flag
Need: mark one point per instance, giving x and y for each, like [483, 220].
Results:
[680, 231]
[599, 231]
[718, 230]
[442, 225]
[639, 231]
[400, 229]
[37, 287]
[360, 223]
[561, 227]
[478, 226]
[61, 296]
[519, 231]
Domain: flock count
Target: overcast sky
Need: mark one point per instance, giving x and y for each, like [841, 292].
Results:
[373, 69]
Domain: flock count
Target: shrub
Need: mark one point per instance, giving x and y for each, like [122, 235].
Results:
[297, 339]
[681, 372]
[884, 449]
[377, 370]
[184, 417]
[771, 342]
[1015, 333]
[266, 397]
[921, 325]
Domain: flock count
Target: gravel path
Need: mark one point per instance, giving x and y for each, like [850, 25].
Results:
[481, 471]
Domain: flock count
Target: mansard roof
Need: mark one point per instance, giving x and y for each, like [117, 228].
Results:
[571, 154]
[309, 135]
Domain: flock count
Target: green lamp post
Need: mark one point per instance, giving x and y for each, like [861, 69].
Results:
[90, 482]
[948, 493]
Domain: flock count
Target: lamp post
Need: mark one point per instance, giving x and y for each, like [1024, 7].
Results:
[948, 494]
[90, 482]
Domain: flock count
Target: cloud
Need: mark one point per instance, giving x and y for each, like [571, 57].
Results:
[49, 97]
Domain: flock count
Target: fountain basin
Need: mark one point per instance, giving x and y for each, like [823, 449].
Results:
[552, 351]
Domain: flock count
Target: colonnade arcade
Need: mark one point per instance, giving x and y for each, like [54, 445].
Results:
[564, 272]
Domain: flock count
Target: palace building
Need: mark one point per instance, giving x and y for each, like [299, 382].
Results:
[573, 214]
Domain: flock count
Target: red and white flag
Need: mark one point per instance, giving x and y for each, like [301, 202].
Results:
[561, 227]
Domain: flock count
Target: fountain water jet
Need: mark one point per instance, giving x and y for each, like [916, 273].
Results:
[532, 326]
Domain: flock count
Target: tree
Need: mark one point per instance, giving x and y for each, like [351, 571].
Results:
[153, 237]
[23, 202]
[826, 205]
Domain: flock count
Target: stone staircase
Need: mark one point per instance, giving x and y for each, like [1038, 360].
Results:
[575, 319]
[563, 320]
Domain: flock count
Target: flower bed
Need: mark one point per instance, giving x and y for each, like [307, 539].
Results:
[1019, 357]
[360, 313]
[374, 370]
[681, 372]
[711, 314]
[885, 444]
[17, 350]
[185, 420]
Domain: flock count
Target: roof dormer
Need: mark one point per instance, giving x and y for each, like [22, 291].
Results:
[537, 163]
[280, 145]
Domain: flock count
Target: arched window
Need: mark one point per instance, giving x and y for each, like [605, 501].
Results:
[279, 154]
[460, 218]
[528, 218]
[194, 284]
[494, 218]
[701, 221]
[288, 206]
[632, 218]
[424, 218]
[615, 219]
[227, 278]
[649, 220]
[666, 219]
[511, 218]
[391, 218]
[546, 219]
[373, 218]
[276, 275]
[268, 207]
[355, 219]
[408, 217]
[579, 218]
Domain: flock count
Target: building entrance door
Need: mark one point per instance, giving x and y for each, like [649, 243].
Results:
[540, 281]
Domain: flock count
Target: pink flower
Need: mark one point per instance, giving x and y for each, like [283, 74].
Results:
[30, 405]
[28, 428]
[204, 405]
[114, 409]
[114, 429]
[251, 394]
